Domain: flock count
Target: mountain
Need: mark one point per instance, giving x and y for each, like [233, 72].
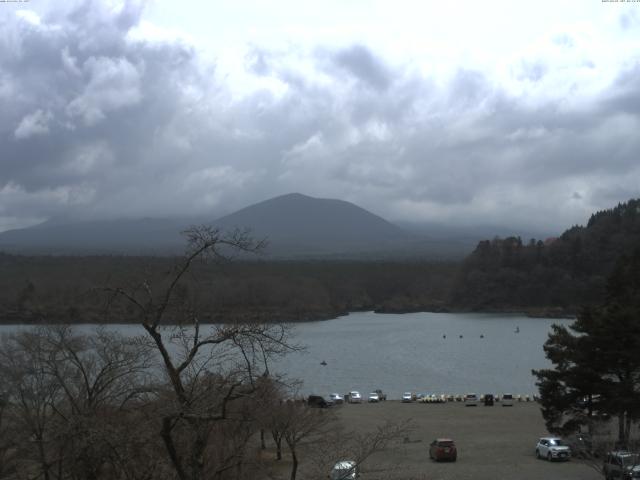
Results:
[297, 224]
[294, 225]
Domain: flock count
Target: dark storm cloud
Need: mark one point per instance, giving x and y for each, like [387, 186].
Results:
[89, 114]
[624, 96]
[98, 121]
[359, 62]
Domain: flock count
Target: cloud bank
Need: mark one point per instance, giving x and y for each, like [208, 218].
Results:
[106, 116]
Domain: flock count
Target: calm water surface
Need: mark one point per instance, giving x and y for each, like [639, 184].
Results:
[408, 352]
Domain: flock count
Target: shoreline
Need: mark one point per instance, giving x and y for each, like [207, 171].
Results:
[546, 313]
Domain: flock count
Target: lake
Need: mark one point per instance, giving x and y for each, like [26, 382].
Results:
[409, 352]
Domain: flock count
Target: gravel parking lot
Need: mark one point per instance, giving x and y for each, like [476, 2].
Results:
[494, 443]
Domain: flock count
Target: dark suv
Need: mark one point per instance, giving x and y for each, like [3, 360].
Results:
[621, 464]
[317, 401]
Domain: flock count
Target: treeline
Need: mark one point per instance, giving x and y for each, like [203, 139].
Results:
[565, 273]
[47, 289]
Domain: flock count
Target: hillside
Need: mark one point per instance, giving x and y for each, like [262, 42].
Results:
[295, 226]
[299, 224]
[131, 236]
[563, 273]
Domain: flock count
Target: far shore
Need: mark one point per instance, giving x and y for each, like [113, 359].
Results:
[545, 312]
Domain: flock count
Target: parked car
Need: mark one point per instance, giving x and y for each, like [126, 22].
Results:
[488, 400]
[552, 448]
[373, 397]
[443, 449]
[345, 470]
[355, 397]
[471, 400]
[621, 464]
[507, 400]
[317, 401]
[336, 398]
[381, 395]
[407, 397]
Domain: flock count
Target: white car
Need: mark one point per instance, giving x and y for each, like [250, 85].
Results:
[344, 470]
[471, 400]
[552, 448]
[355, 397]
[407, 397]
[336, 398]
[374, 397]
[507, 400]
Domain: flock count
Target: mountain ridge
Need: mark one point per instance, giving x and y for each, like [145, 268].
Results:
[295, 224]
[299, 223]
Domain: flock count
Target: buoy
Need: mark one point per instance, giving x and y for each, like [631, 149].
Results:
[481, 336]
[460, 336]
[444, 336]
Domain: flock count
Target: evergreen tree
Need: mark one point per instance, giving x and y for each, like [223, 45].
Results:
[597, 359]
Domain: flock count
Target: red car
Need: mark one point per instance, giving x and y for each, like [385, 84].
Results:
[443, 449]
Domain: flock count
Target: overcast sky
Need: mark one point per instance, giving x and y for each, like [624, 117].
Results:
[468, 112]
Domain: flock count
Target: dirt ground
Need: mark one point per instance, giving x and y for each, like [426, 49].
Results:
[494, 443]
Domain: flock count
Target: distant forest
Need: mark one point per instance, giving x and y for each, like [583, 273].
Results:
[555, 277]
[70, 289]
[563, 273]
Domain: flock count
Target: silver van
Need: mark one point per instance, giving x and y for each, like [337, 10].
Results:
[471, 400]
[507, 400]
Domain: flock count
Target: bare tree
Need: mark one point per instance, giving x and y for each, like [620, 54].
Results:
[208, 368]
[301, 422]
[5, 433]
[337, 444]
[30, 399]
[70, 396]
[99, 375]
